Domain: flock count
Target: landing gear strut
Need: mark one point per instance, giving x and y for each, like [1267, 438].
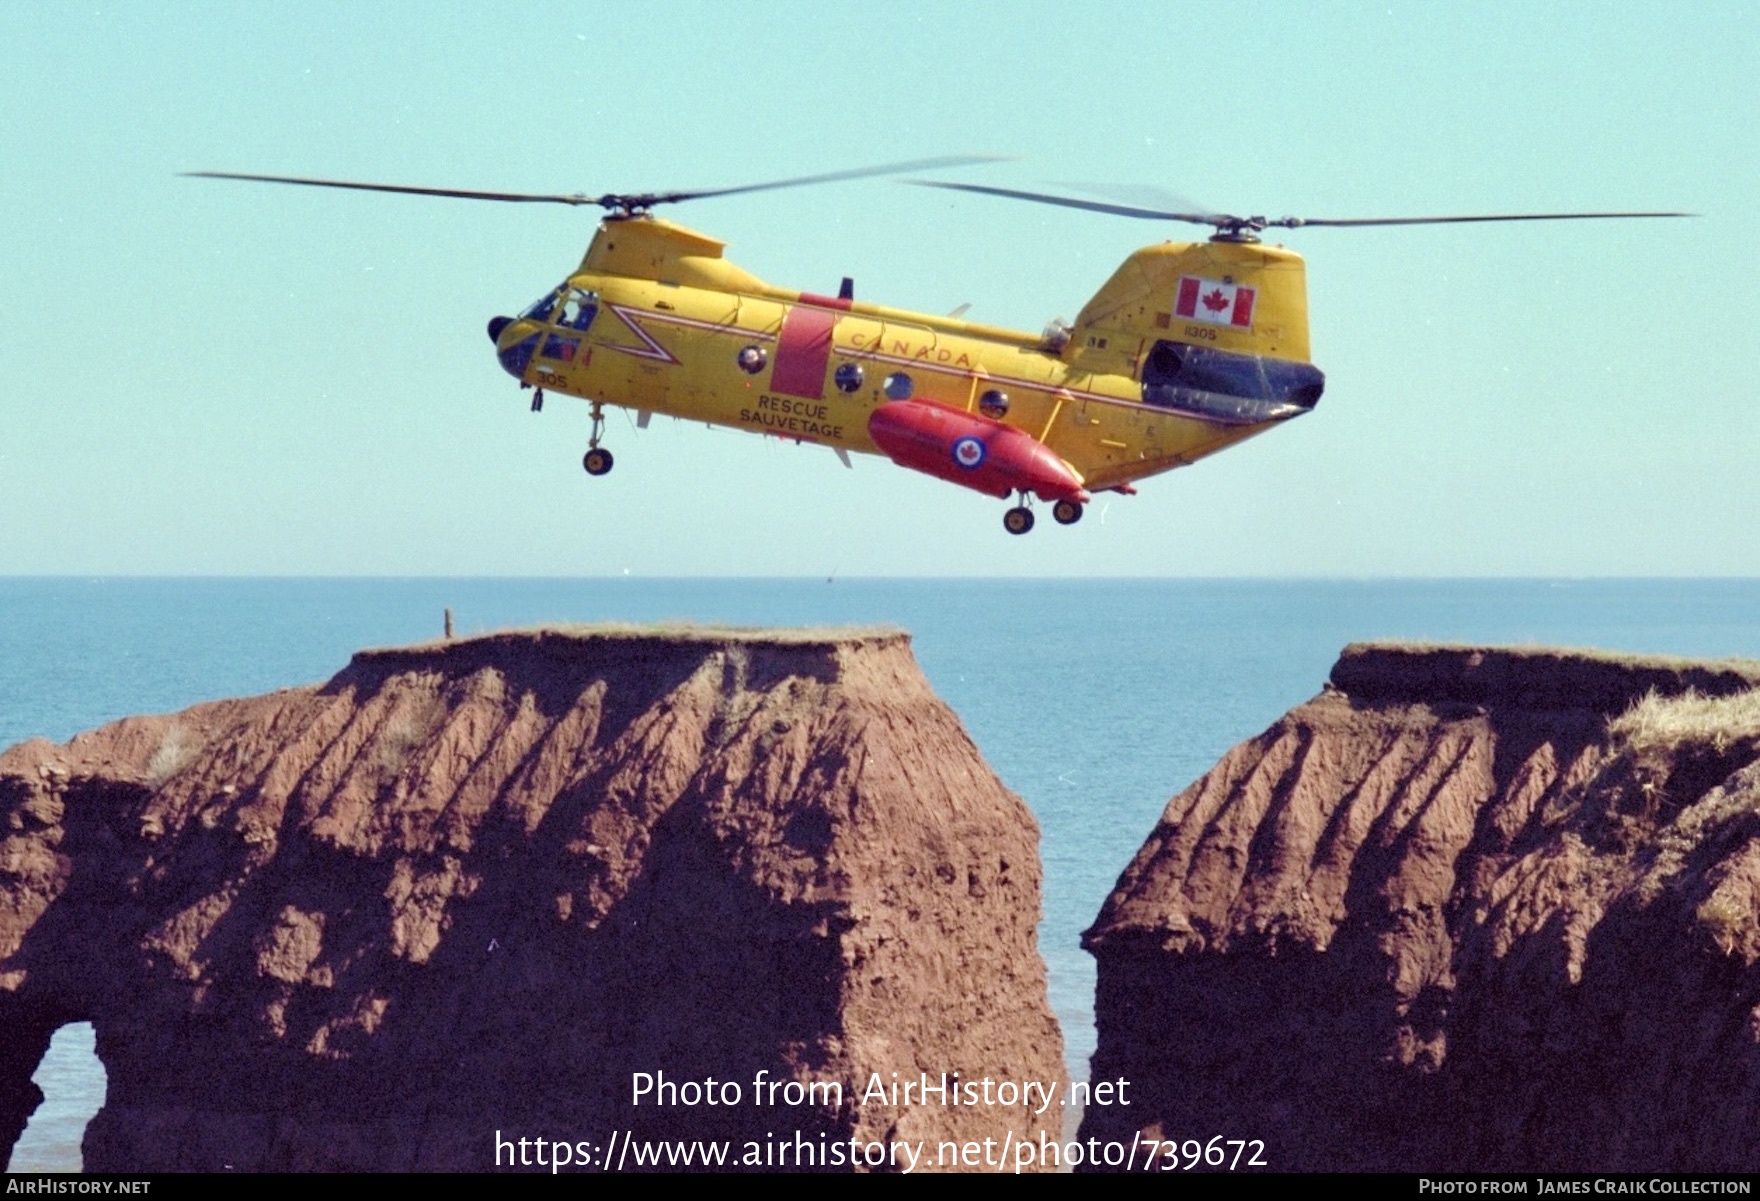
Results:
[597, 460]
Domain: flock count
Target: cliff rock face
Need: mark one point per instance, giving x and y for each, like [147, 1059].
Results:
[1466, 909]
[482, 888]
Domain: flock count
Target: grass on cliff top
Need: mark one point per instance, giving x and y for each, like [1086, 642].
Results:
[1715, 721]
[685, 630]
[708, 631]
[671, 630]
[1540, 650]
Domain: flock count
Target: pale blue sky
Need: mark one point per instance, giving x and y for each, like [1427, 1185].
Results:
[215, 378]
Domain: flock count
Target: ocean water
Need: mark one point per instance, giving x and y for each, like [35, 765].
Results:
[1095, 700]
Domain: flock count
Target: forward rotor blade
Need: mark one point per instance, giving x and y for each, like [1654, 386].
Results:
[1303, 222]
[1092, 206]
[623, 201]
[924, 164]
[454, 193]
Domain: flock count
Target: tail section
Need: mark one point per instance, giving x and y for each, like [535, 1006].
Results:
[1243, 297]
[1214, 330]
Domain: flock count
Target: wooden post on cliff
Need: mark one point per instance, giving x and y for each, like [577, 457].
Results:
[449, 625]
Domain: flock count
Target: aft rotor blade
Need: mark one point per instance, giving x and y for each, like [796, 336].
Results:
[454, 193]
[1229, 222]
[1092, 206]
[1303, 222]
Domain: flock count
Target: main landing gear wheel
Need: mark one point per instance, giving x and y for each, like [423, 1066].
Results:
[1018, 520]
[1066, 512]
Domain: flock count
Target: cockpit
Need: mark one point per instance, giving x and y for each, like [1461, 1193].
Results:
[558, 320]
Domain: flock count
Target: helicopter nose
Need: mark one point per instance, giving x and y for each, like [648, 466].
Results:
[517, 354]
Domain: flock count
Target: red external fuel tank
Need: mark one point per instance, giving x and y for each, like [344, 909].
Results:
[972, 451]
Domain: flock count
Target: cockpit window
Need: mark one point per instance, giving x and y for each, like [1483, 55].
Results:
[578, 308]
[541, 308]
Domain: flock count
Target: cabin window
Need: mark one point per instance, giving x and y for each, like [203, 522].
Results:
[752, 359]
[848, 377]
[993, 403]
[898, 386]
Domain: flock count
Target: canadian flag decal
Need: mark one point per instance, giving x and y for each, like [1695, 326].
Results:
[1214, 302]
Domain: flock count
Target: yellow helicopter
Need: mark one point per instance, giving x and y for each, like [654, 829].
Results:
[1189, 348]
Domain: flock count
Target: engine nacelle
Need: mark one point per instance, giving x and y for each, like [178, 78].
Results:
[972, 451]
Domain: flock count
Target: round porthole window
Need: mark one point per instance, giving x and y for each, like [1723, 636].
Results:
[898, 386]
[993, 403]
[848, 377]
[752, 360]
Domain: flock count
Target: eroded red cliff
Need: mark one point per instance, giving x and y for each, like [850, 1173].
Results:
[477, 886]
[1467, 909]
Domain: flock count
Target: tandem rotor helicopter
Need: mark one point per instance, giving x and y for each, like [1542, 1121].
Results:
[1186, 350]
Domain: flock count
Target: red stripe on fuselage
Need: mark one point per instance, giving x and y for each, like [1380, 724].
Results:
[802, 351]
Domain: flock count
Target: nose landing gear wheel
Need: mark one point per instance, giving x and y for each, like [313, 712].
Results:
[1018, 520]
[1066, 512]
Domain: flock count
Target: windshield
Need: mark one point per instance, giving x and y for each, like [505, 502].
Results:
[542, 307]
